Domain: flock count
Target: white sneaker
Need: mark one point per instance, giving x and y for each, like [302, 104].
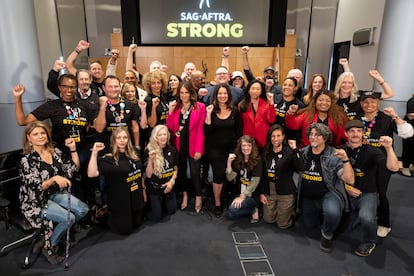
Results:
[382, 231]
[406, 171]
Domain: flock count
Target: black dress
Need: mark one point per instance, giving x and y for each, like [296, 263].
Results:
[123, 187]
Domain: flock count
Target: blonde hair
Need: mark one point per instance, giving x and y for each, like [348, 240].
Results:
[354, 92]
[27, 145]
[125, 87]
[129, 151]
[153, 145]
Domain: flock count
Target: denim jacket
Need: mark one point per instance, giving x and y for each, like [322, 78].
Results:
[332, 169]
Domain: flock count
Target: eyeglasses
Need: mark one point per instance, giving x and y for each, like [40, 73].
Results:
[199, 79]
[68, 87]
[222, 73]
[314, 135]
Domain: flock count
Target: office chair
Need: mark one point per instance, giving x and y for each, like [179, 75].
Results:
[9, 204]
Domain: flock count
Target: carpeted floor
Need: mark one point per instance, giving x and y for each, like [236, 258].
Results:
[185, 244]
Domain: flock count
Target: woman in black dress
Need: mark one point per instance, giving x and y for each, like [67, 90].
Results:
[124, 186]
[222, 128]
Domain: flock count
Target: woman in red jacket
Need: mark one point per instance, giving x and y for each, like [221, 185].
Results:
[257, 112]
[186, 123]
[321, 109]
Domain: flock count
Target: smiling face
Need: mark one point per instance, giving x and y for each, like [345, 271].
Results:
[84, 81]
[162, 137]
[130, 78]
[277, 137]
[370, 105]
[222, 96]
[288, 88]
[174, 82]
[315, 139]
[96, 71]
[346, 87]
[222, 75]
[129, 92]
[317, 84]
[38, 137]
[185, 95]
[67, 88]
[112, 89]
[323, 103]
[255, 91]
[246, 148]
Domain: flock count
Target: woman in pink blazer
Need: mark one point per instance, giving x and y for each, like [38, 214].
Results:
[185, 121]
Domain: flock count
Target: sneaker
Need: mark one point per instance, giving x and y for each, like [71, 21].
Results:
[382, 231]
[406, 172]
[365, 249]
[326, 245]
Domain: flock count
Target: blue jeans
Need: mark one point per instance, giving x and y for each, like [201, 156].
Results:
[364, 211]
[329, 207]
[56, 211]
[156, 205]
[247, 208]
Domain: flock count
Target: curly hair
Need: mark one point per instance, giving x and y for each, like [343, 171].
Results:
[335, 113]
[155, 75]
[153, 145]
[253, 158]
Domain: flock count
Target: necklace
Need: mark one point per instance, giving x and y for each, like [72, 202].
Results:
[118, 116]
[349, 152]
[368, 127]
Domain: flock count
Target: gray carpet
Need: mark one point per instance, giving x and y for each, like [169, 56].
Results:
[184, 244]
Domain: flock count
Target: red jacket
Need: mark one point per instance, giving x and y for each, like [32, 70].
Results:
[296, 122]
[196, 128]
[257, 126]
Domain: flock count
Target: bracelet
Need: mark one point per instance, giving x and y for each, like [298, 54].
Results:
[73, 151]
[395, 118]
[381, 83]
[345, 161]
[77, 51]
[225, 56]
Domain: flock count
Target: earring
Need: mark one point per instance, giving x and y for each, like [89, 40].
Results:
[30, 143]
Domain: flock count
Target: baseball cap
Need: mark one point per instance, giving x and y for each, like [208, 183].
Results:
[269, 68]
[369, 94]
[236, 74]
[354, 123]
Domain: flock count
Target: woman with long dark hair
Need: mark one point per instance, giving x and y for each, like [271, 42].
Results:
[186, 121]
[257, 111]
[222, 127]
[278, 190]
[245, 165]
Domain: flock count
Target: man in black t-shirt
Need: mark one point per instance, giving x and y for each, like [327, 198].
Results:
[321, 187]
[367, 163]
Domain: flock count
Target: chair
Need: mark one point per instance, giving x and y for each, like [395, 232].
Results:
[9, 204]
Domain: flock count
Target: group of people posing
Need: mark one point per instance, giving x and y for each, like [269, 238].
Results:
[143, 148]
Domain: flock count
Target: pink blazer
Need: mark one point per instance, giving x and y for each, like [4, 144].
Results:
[196, 128]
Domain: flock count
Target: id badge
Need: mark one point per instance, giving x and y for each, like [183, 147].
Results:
[74, 134]
[134, 186]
